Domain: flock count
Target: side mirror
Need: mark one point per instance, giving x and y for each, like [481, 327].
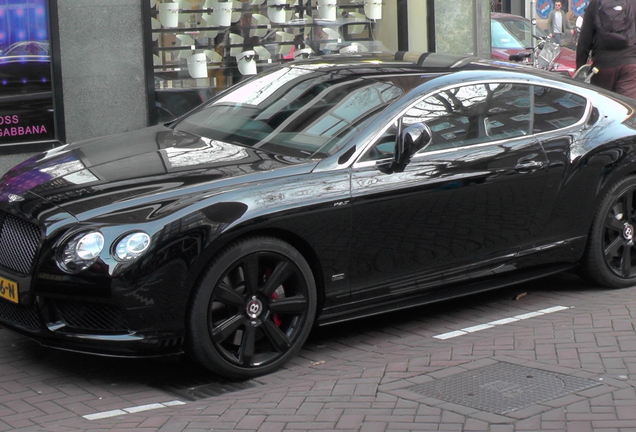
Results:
[411, 140]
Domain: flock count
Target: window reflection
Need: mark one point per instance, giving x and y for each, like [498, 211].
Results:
[556, 109]
[301, 112]
[212, 152]
[486, 112]
[474, 114]
[266, 85]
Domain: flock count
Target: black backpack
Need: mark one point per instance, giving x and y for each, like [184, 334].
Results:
[615, 26]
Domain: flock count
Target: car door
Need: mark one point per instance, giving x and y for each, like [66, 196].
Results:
[463, 205]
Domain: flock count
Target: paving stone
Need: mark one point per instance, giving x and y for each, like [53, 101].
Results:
[374, 426]
[362, 384]
[579, 426]
[476, 425]
[532, 423]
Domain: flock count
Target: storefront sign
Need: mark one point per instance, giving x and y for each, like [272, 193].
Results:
[578, 7]
[10, 127]
[543, 8]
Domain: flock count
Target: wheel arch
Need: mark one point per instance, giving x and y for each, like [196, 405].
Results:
[608, 181]
[296, 241]
[608, 178]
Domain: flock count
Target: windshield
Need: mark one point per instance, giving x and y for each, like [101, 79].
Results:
[295, 111]
[513, 34]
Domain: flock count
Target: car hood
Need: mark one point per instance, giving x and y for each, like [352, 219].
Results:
[567, 60]
[153, 164]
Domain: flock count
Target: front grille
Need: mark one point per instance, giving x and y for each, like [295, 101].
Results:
[19, 316]
[91, 316]
[19, 242]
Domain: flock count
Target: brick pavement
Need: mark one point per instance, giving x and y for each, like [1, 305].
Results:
[358, 376]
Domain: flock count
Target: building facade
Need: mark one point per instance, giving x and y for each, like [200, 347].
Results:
[77, 69]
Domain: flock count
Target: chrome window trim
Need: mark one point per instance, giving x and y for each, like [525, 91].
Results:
[422, 153]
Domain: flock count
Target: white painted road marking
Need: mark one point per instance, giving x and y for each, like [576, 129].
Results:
[131, 410]
[492, 324]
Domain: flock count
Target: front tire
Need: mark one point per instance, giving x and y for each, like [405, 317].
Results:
[253, 309]
[610, 259]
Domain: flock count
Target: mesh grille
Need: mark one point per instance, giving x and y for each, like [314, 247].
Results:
[19, 241]
[19, 316]
[87, 316]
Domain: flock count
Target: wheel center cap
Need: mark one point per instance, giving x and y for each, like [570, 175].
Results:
[628, 232]
[254, 308]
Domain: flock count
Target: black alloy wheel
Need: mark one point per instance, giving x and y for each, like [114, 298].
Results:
[253, 309]
[611, 253]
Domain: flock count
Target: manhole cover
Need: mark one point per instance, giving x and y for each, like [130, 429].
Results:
[502, 387]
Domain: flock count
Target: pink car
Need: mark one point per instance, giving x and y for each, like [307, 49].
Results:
[512, 35]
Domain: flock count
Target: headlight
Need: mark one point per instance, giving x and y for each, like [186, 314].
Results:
[81, 251]
[131, 246]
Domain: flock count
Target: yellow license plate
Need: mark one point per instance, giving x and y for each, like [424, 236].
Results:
[8, 290]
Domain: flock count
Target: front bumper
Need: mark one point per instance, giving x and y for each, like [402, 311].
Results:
[94, 328]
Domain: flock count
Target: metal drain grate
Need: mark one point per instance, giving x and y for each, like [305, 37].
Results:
[502, 387]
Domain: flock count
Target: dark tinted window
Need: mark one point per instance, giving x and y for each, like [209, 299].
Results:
[474, 114]
[487, 112]
[556, 109]
[467, 115]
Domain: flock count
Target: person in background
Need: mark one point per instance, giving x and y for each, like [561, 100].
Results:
[558, 23]
[616, 67]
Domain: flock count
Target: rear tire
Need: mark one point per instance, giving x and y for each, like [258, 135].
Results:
[610, 258]
[253, 309]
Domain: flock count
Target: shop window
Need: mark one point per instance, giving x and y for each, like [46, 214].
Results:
[201, 47]
[26, 101]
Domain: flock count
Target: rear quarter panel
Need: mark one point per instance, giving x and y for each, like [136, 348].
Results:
[583, 165]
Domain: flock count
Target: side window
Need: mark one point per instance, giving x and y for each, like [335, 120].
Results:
[383, 147]
[556, 109]
[466, 115]
[474, 114]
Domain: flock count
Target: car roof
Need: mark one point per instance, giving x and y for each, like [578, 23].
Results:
[405, 62]
[401, 61]
[374, 65]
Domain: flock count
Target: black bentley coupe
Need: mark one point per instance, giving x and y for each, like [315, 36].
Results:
[318, 191]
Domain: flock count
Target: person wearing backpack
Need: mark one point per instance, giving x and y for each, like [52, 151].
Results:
[608, 36]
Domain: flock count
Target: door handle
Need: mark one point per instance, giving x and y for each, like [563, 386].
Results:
[528, 166]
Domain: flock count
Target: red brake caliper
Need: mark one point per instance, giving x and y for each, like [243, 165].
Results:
[279, 293]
